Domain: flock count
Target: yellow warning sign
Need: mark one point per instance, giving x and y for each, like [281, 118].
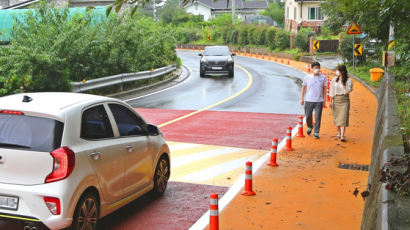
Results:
[358, 49]
[354, 29]
[316, 45]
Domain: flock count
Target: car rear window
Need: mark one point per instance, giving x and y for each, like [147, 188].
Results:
[30, 133]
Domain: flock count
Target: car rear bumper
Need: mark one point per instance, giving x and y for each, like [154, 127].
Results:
[31, 205]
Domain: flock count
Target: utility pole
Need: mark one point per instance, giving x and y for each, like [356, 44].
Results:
[155, 13]
[233, 9]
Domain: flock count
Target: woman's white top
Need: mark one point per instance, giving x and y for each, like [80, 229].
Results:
[337, 88]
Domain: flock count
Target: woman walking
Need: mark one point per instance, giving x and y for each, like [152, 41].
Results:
[340, 87]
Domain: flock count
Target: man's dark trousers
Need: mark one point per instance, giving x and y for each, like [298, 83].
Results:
[317, 106]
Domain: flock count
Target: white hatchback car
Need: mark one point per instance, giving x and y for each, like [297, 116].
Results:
[68, 159]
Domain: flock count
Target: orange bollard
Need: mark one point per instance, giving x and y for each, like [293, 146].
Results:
[288, 61]
[281, 60]
[248, 180]
[273, 153]
[213, 212]
[300, 127]
[263, 56]
[308, 68]
[276, 59]
[288, 139]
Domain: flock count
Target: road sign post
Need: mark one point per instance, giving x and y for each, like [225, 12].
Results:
[354, 29]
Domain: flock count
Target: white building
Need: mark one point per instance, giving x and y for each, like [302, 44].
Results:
[210, 9]
[303, 13]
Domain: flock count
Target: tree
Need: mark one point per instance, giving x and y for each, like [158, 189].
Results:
[276, 11]
[373, 17]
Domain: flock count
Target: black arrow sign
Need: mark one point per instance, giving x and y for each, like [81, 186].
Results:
[357, 49]
[316, 45]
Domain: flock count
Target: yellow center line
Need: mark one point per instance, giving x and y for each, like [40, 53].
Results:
[250, 80]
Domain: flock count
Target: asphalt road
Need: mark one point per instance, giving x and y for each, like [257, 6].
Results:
[275, 88]
[256, 105]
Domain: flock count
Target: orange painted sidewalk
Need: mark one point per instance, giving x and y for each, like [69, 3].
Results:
[308, 190]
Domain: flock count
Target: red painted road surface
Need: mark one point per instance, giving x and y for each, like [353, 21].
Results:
[179, 208]
[235, 129]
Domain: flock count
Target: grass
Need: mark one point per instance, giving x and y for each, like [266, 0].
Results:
[362, 72]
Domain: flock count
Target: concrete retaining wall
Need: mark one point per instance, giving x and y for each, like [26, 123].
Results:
[385, 209]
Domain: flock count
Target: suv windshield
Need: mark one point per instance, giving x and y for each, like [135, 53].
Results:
[30, 133]
[216, 51]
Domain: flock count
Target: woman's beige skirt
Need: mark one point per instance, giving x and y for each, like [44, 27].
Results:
[341, 106]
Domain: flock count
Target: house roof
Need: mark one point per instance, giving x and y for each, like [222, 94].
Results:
[240, 4]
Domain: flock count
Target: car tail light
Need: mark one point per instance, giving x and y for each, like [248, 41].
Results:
[64, 160]
[12, 112]
[53, 204]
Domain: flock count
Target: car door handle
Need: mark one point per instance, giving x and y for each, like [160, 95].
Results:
[95, 155]
[129, 148]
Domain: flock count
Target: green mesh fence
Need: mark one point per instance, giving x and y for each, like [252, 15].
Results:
[7, 18]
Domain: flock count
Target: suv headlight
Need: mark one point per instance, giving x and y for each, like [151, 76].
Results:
[230, 60]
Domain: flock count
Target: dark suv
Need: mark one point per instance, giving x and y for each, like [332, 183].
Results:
[216, 60]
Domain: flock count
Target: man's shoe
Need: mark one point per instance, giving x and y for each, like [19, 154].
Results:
[309, 131]
[316, 135]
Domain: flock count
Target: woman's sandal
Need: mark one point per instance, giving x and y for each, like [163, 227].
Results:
[338, 135]
[342, 139]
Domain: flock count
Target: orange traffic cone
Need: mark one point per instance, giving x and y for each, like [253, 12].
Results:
[300, 127]
[308, 68]
[273, 153]
[276, 59]
[288, 139]
[213, 212]
[288, 61]
[248, 180]
[281, 60]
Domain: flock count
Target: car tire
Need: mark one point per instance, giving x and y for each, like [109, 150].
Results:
[161, 176]
[87, 212]
[201, 74]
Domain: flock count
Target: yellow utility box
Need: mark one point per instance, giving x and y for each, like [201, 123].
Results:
[376, 74]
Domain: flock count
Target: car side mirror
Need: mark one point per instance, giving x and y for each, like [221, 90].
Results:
[152, 130]
[200, 54]
[233, 54]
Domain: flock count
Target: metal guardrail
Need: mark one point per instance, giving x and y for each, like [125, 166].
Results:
[120, 79]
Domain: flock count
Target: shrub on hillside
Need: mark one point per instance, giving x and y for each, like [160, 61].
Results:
[282, 40]
[243, 36]
[302, 41]
[270, 38]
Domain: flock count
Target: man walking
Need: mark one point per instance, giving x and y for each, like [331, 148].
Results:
[314, 98]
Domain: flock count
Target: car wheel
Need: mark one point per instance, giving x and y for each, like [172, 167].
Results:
[86, 213]
[161, 176]
[201, 74]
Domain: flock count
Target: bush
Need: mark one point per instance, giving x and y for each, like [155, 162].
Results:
[346, 48]
[49, 48]
[251, 35]
[282, 40]
[302, 41]
[270, 38]
[261, 35]
[234, 36]
[243, 36]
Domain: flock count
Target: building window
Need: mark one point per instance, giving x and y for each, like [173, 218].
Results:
[294, 12]
[314, 13]
[287, 12]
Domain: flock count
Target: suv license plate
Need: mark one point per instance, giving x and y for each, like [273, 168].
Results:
[217, 67]
[9, 202]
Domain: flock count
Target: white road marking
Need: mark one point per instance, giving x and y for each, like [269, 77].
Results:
[178, 161]
[216, 170]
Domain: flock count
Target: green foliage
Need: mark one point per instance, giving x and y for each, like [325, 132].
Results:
[251, 34]
[373, 17]
[270, 38]
[346, 48]
[49, 49]
[243, 36]
[261, 35]
[282, 40]
[302, 41]
[276, 11]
